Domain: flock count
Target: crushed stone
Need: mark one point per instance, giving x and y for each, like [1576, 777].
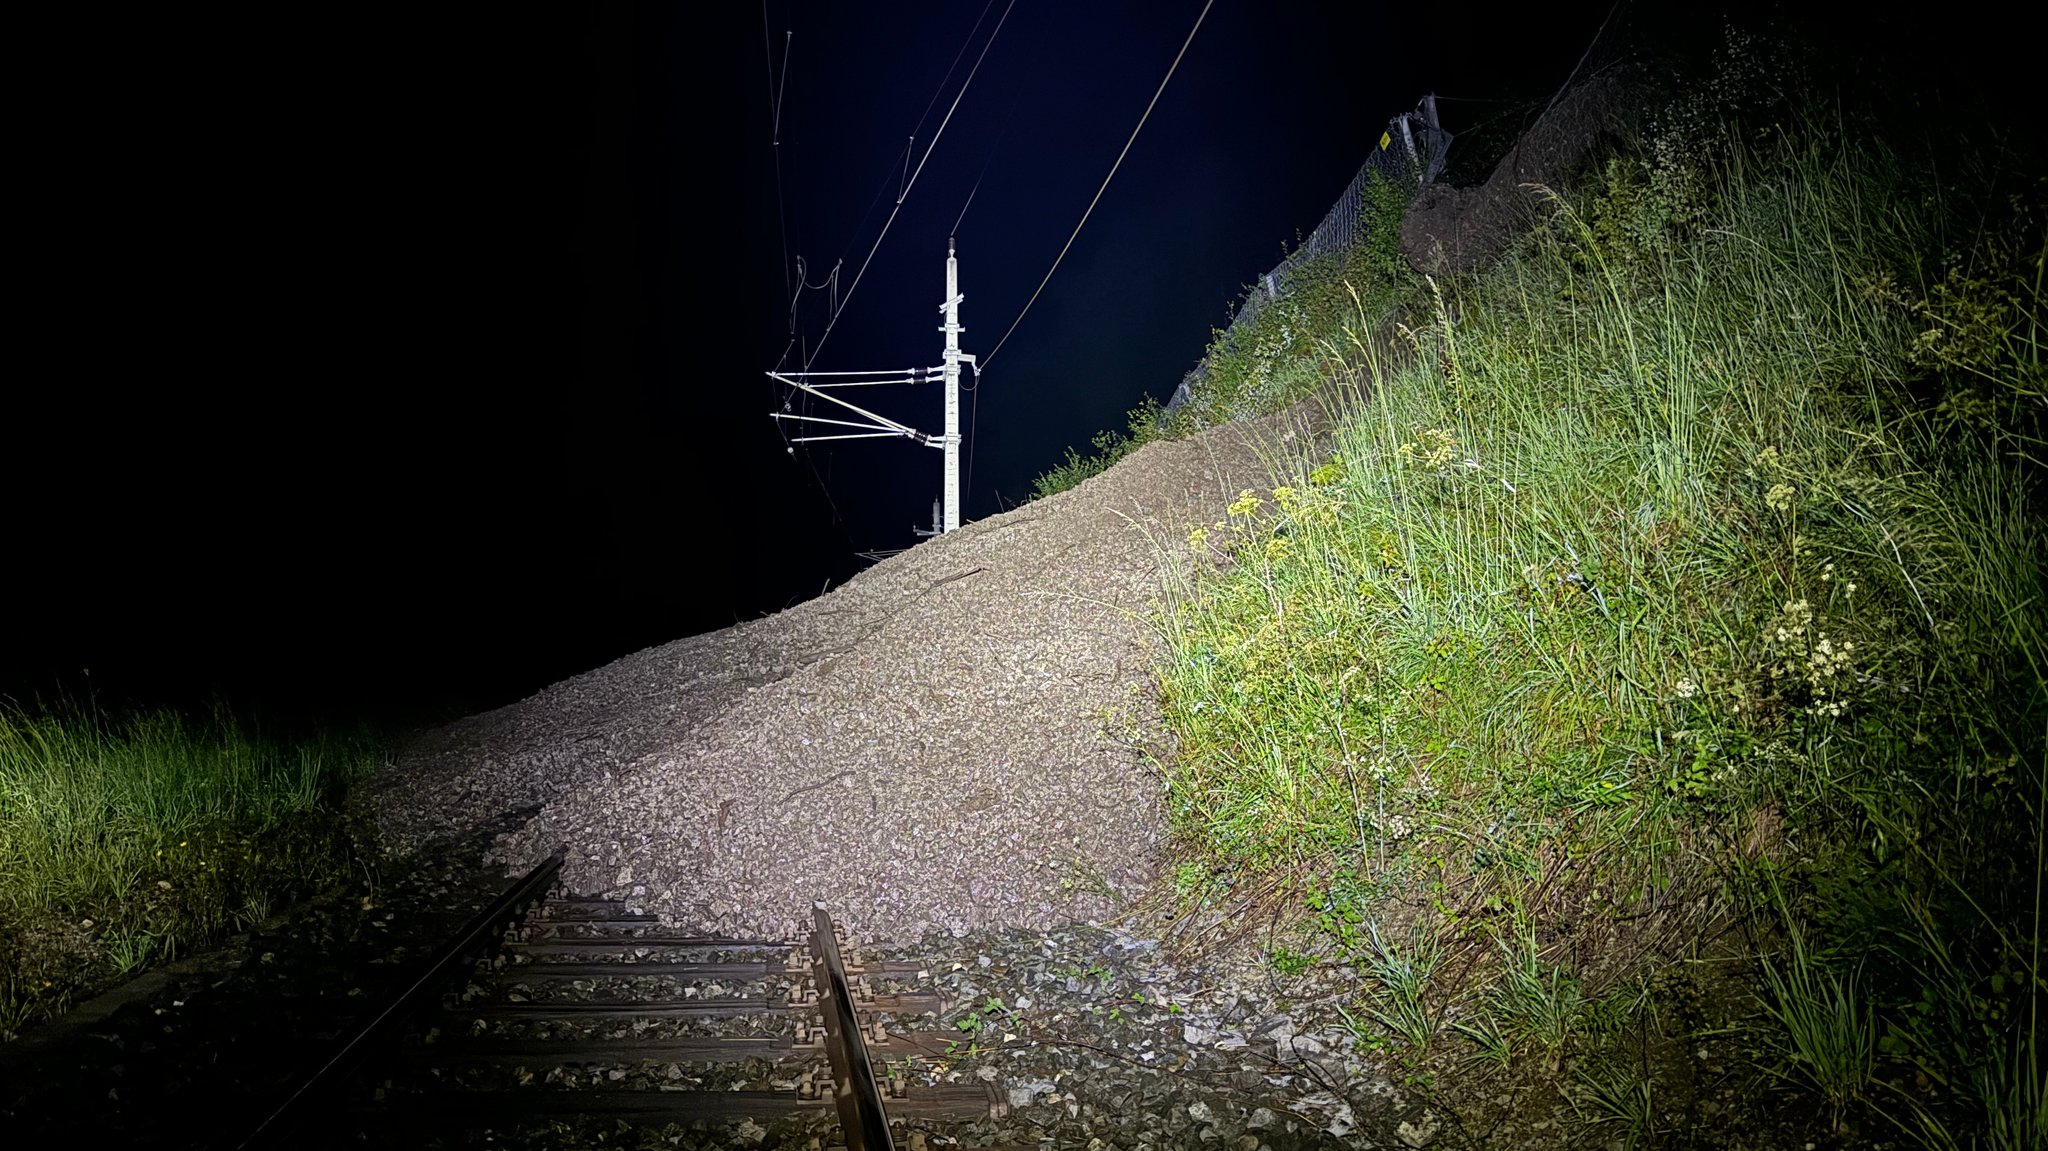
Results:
[934, 745]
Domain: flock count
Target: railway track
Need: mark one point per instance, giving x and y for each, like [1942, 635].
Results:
[550, 1011]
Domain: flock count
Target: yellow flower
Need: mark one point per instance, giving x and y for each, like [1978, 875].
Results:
[1284, 496]
[1246, 503]
[1276, 549]
[1198, 538]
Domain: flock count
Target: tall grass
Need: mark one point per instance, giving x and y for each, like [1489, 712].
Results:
[155, 831]
[1697, 530]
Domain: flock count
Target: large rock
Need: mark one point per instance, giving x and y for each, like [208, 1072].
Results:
[1462, 229]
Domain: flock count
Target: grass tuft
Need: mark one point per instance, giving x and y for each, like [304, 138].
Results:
[1829, 1036]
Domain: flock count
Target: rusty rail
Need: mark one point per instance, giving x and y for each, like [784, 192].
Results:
[862, 1119]
[541, 939]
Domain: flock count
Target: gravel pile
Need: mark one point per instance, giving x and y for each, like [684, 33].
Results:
[1095, 1038]
[923, 748]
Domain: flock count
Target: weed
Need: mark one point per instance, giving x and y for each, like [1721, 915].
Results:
[1289, 962]
[1618, 1095]
[256, 908]
[1829, 1037]
[1083, 875]
[1492, 1044]
[993, 1011]
[1143, 424]
[16, 1006]
[130, 951]
[1538, 1000]
[1404, 978]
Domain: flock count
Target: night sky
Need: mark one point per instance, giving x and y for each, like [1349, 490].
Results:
[393, 363]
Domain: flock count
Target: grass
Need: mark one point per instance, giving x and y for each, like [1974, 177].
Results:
[1615, 1097]
[1686, 555]
[1403, 974]
[126, 840]
[1828, 1032]
[1540, 1002]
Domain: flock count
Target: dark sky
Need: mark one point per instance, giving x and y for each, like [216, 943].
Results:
[379, 360]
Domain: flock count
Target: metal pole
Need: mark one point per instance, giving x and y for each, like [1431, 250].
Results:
[952, 434]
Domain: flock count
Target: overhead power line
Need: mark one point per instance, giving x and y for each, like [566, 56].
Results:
[951, 68]
[775, 132]
[985, 360]
[911, 183]
[983, 174]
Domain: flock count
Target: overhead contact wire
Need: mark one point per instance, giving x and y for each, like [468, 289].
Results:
[886, 224]
[985, 360]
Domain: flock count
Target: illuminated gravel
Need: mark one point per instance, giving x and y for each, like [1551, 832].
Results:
[924, 747]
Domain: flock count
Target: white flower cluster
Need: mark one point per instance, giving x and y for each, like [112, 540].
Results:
[1818, 662]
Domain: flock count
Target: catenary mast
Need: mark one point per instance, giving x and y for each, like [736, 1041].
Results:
[870, 425]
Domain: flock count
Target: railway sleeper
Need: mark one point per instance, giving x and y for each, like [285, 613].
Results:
[711, 1007]
[623, 966]
[676, 1049]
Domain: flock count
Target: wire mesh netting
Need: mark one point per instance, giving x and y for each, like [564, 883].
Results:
[1409, 154]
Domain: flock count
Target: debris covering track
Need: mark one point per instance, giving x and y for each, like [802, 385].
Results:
[924, 748]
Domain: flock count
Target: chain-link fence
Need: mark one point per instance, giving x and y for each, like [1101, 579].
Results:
[1410, 154]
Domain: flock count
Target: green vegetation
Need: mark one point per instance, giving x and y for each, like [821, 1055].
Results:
[128, 840]
[1661, 653]
[1281, 353]
[1144, 426]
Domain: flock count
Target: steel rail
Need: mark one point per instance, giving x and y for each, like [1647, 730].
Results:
[437, 971]
[862, 1121]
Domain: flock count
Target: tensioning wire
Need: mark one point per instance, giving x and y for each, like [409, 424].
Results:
[985, 360]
